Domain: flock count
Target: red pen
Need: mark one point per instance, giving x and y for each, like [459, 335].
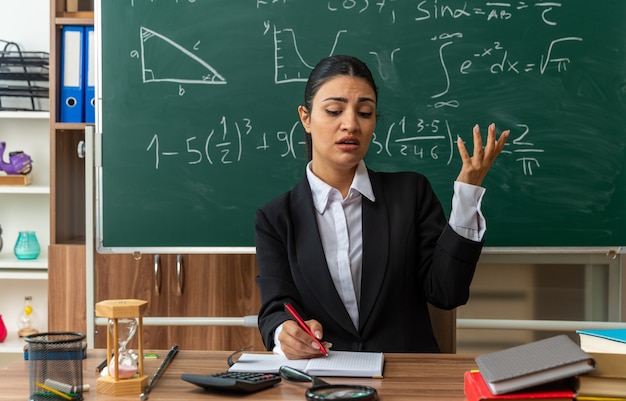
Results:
[295, 315]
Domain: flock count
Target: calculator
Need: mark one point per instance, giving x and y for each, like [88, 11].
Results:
[241, 382]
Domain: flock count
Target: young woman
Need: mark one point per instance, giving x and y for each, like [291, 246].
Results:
[359, 253]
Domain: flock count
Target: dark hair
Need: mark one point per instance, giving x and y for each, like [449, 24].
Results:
[328, 68]
[331, 67]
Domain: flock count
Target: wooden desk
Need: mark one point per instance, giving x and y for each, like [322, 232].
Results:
[407, 376]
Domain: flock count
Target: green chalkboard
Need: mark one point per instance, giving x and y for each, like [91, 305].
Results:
[199, 125]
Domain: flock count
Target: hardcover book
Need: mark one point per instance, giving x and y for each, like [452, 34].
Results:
[476, 389]
[609, 365]
[534, 363]
[603, 340]
[589, 385]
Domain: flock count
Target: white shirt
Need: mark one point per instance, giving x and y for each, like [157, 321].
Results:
[340, 224]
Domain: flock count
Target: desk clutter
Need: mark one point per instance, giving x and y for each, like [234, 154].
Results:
[555, 368]
[55, 365]
[255, 372]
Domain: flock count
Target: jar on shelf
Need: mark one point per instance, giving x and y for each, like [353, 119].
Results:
[26, 246]
[28, 319]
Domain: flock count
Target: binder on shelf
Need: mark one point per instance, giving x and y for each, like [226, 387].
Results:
[72, 91]
[90, 76]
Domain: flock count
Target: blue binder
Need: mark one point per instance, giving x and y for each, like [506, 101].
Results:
[90, 76]
[72, 91]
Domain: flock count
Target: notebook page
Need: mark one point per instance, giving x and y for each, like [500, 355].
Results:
[265, 363]
[345, 363]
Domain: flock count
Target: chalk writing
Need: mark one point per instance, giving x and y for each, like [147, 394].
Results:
[285, 41]
[409, 135]
[420, 140]
[199, 123]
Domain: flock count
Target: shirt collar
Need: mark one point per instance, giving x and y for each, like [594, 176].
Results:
[321, 190]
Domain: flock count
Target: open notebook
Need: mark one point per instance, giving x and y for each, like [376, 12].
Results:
[337, 363]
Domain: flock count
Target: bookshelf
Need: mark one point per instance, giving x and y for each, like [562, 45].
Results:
[24, 208]
[66, 269]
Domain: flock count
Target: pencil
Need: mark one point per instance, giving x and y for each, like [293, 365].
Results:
[101, 366]
[50, 389]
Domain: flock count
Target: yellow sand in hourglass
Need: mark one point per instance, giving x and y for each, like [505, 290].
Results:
[27, 319]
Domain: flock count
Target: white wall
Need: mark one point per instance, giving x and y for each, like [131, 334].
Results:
[27, 23]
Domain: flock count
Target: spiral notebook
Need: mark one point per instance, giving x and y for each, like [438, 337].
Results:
[337, 363]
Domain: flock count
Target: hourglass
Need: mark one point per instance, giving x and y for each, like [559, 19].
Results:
[126, 358]
[125, 372]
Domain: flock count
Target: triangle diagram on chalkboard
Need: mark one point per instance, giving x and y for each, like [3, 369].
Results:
[163, 60]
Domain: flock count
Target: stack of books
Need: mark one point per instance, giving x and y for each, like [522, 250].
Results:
[540, 370]
[608, 381]
[476, 389]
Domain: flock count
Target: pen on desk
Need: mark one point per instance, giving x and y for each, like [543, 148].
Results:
[101, 366]
[296, 316]
[168, 358]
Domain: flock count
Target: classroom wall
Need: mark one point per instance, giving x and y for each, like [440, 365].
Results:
[31, 36]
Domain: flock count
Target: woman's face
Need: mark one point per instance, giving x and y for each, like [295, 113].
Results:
[341, 124]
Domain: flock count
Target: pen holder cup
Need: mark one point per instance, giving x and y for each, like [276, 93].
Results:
[55, 366]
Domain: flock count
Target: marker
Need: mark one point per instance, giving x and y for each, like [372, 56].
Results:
[295, 315]
[64, 387]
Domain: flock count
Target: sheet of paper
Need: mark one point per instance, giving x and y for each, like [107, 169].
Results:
[344, 363]
[266, 363]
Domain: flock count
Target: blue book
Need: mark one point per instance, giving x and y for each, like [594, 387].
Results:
[603, 340]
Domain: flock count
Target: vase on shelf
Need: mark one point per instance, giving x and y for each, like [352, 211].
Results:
[26, 246]
[3, 330]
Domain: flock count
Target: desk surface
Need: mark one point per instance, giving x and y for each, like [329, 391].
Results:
[407, 376]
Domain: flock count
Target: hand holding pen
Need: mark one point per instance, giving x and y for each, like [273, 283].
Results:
[317, 344]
